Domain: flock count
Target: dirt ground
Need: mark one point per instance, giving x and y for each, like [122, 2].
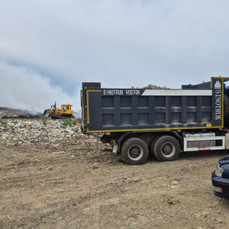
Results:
[79, 184]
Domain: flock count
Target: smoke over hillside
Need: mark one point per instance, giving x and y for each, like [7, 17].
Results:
[21, 88]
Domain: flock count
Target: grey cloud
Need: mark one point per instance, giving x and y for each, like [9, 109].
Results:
[120, 43]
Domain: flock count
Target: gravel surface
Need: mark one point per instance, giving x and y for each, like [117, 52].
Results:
[76, 182]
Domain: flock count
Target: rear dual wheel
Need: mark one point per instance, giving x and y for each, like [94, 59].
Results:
[135, 150]
[165, 148]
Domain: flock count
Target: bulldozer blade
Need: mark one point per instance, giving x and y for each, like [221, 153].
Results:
[46, 113]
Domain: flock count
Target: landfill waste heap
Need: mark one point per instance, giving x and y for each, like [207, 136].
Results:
[15, 130]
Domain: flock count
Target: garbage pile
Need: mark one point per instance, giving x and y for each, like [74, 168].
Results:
[150, 86]
[27, 131]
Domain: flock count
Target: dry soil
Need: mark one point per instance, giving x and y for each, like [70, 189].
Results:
[79, 183]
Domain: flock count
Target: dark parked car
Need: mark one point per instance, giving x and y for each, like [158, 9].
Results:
[220, 178]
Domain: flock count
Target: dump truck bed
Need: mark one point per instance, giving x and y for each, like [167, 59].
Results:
[119, 110]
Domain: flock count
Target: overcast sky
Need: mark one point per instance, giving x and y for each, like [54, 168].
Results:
[49, 47]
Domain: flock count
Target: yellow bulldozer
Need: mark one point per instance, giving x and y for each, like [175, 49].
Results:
[64, 112]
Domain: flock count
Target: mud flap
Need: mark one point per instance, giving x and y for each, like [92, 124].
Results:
[115, 149]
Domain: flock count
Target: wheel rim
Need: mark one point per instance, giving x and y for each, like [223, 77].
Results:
[168, 150]
[135, 152]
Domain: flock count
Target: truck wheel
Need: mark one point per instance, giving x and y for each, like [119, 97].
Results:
[134, 151]
[151, 147]
[166, 148]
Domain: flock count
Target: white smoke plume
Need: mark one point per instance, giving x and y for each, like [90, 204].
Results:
[21, 88]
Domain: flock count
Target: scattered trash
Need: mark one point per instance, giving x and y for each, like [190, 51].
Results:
[46, 168]
[27, 131]
[131, 209]
[120, 178]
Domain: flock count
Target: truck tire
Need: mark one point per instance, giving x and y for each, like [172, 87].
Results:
[166, 148]
[134, 151]
[151, 148]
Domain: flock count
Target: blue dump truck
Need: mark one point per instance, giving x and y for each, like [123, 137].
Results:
[163, 122]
